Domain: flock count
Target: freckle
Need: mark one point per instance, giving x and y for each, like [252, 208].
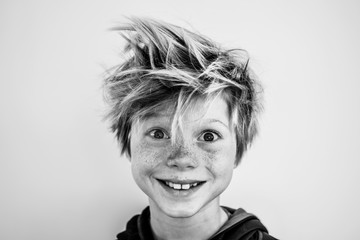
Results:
[145, 153]
[210, 158]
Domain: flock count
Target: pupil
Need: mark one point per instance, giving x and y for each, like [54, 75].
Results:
[158, 134]
[208, 137]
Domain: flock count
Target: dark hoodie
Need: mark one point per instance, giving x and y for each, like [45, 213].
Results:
[240, 226]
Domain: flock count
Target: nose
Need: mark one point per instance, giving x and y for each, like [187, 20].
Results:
[182, 157]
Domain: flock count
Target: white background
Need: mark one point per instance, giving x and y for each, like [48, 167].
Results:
[61, 175]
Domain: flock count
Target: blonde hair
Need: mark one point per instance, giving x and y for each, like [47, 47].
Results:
[169, 64]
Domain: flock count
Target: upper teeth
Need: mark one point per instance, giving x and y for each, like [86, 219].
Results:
[179, 186]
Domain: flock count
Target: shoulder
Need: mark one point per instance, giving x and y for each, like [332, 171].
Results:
[242, 226]
[138, 227]
[131, 231]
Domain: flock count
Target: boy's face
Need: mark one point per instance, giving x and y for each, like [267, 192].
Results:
[186, 177]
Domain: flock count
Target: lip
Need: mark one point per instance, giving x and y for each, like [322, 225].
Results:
[178, 181]
[181, 192]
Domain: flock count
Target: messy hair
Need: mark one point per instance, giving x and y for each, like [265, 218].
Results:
[168, 64]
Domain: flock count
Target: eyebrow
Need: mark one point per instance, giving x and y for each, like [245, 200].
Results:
[211, 120]
[156, 115]
[164, 115]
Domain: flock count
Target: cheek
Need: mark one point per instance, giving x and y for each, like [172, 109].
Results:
[221, 161]
[144, 157]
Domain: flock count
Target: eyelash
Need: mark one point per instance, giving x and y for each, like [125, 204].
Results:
[217, 135]
[151, 133]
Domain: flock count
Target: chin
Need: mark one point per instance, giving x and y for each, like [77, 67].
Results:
[180, 213]
[183, 211]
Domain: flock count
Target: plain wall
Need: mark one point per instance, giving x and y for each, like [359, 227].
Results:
[61, 174]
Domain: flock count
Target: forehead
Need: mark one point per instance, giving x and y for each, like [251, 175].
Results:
[199, 109]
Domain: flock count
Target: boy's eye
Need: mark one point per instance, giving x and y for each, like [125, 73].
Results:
[158, 134]
[209, 136]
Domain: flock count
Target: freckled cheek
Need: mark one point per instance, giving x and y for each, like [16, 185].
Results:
[146, 157]
[219, 150]
[220, 161]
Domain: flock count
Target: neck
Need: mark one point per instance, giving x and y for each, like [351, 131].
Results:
[201, 225]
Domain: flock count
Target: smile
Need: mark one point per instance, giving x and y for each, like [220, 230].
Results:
[181, 186]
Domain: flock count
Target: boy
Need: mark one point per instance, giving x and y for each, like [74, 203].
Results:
[184, 111]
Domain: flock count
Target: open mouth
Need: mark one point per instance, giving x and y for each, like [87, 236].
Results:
[181, 186]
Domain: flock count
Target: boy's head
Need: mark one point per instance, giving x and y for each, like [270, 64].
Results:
[168, 65]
